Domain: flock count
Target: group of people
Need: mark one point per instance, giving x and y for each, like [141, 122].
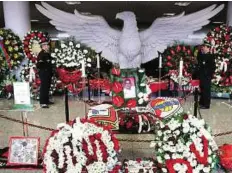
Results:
[206, 68]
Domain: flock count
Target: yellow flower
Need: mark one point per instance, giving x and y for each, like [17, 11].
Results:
[7, 42]
[10, 48]
[1, 32]
[16, 56]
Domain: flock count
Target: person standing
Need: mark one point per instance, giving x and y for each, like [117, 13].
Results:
[206, 64]
[44, 67]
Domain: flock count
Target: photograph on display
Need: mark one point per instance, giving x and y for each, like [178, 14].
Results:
[129, 87]
[23, 151]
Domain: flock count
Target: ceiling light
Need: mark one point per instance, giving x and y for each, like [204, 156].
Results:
[34, 20]
[73, 2]
[217, 22]
[63, 35]
[182, 4]
[169, 14]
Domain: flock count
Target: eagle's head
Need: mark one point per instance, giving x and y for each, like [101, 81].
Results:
[126, 15]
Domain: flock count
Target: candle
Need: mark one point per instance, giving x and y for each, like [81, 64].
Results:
[83, 68]
[98, 61]
[160, 60]
[181, 68]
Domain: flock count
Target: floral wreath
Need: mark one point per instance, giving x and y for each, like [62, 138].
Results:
[171, 58]
[184, 143]
[142, 89]
[11, 46]
[29, 73]
[219, 40]
[68, 55]
[30, 41]
[81, 146]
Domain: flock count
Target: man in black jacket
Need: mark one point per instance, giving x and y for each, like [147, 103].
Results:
[206, 64]
[44, 66]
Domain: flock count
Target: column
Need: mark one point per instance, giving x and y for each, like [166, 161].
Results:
[229, 13]
[17, 16]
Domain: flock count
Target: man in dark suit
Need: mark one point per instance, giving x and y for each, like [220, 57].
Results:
[44, 66]
[206, 64]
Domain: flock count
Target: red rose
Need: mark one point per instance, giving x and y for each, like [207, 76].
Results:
[115, 71]
[118, 101]
[117, 87]
[178, 48]
[138, 160]
[9, 88]
[131, 103]
[185, 116]
[26, 43]
[43, 39]
[121, 122]
[169, 64]
[129, 125]
[172, 52]
[209, 39]
[227, 37]
[169, 57]
[217, 29]
[184, 48]
[136, 119]
[225, 50]
[40, 35]
[33, 34]
[189, 52]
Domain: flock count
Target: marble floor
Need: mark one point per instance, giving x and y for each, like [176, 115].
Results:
[219, 117]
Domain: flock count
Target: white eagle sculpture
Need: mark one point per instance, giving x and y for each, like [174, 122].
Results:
[129, 47]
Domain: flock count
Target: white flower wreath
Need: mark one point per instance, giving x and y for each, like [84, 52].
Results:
[68, 145]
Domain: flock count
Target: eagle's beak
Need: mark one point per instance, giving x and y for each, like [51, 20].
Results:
[118, 16]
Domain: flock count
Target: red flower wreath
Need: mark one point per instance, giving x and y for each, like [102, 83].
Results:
[28, 40]
[172, 55]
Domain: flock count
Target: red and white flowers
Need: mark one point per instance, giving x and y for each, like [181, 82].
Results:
[81, 146]
[220, 40]
[184, 144]
[31, 44]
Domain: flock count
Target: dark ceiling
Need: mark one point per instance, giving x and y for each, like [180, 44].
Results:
[146, 11]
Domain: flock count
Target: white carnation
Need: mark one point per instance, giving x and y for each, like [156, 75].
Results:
[78, 45]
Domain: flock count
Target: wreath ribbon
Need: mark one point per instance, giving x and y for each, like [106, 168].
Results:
[6, 55]
[31, 74]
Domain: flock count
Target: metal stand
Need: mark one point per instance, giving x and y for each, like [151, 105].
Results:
[66, 105]
[195, 102]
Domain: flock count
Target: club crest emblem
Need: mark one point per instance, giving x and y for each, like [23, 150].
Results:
[164, 107]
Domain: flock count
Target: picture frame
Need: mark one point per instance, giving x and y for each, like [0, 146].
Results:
[129, 87]
[23, 151]
[134, 97]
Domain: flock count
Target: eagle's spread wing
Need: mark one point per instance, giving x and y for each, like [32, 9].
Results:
[164, 31]
[93, 31]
